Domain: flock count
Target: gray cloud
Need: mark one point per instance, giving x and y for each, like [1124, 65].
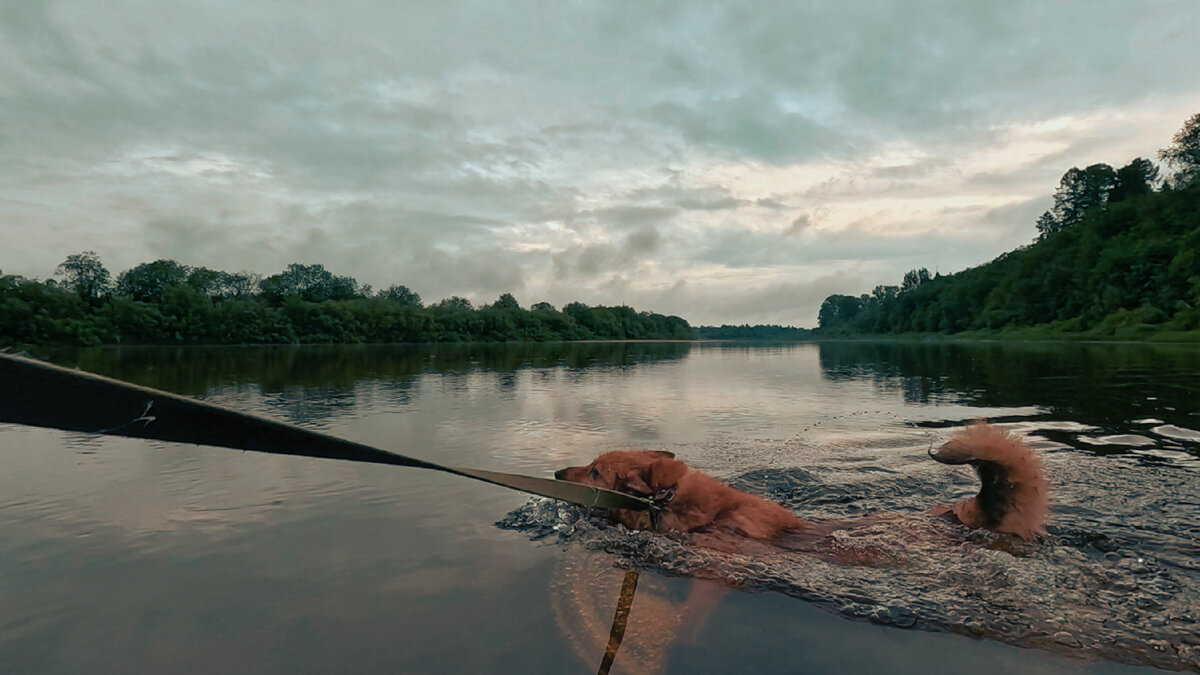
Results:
[749, 123]
[702, 198]
[606, 260]
[629, 216]
[799, 224]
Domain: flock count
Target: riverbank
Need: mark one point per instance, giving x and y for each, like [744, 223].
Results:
[1031, 334]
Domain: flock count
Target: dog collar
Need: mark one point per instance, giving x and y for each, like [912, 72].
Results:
[658, 505]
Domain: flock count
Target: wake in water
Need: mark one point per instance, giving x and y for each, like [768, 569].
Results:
[1117, 575]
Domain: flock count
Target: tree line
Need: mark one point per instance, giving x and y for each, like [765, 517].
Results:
[1118, 254]
[764, 332]
[167, 302]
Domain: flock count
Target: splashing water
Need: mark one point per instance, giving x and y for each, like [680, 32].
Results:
[1118, 575]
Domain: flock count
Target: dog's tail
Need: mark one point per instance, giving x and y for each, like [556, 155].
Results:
[1014, 496]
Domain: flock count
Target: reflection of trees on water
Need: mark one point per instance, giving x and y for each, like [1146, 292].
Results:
[306, 383]
[1101, 384]
[917, 372]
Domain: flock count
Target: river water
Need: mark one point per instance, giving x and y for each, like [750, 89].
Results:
[120, 555]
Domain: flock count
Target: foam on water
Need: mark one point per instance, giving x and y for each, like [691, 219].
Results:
[1127, 440]
[1177, 433]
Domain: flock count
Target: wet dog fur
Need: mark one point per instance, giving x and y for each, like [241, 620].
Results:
[1013, 496]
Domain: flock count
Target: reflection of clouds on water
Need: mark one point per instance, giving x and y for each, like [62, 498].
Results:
[1177, 433]
[1126, 440]
[147, 487]
[1172, 456]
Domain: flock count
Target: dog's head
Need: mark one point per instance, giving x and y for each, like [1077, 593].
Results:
[644, 473]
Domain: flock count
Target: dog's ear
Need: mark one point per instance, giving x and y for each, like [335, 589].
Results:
[666, 472]
[656, 477]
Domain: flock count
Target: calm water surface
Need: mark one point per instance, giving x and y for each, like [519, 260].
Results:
[119, 555]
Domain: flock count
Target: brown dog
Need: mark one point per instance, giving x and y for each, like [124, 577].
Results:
[1013, 496]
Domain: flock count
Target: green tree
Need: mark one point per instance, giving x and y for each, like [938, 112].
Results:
[914, 278]
[604, 323]
[213, 283]
[1081, 190]
[506, 301]
[187, 314]
[576, 310]
[1127, 270]
[1047, 224]
[838, 310]
[313, 283]
[454, 302]
[882, 292]
[1135, 178]
[165, 302]
[146, 281]
[84, 274]
[1184, 152]
[243, 284]
[402, 295]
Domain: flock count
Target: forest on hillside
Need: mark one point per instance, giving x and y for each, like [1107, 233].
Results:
[166, 302]
[1118, 255]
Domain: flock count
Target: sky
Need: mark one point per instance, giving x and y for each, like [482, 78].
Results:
[725, 162]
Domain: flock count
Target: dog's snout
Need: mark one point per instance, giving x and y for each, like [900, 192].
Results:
[560, 474]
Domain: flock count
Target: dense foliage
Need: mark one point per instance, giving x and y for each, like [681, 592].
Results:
[1114, 257]
[748, 332]
[1130, 267]
[165, 302]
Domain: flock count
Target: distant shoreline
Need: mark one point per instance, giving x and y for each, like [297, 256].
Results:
[1189, 339]
[1165, 337]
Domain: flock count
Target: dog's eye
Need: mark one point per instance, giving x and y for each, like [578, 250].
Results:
[594, 473]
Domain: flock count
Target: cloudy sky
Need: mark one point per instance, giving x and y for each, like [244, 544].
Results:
[725, 162]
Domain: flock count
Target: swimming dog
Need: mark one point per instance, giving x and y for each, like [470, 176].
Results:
[1013, 496]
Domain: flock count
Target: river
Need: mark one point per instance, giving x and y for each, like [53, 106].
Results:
[122, 555]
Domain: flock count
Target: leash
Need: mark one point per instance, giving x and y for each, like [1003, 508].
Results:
[40, 394]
